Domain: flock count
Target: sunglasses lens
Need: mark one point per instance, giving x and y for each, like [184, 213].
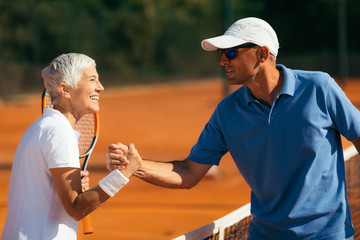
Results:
[230, 53]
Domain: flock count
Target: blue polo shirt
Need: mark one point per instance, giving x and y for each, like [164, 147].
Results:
[290, 155]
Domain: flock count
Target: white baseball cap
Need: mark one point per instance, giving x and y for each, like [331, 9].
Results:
[246, 30]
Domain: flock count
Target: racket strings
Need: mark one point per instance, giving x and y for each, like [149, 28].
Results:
[86, 127]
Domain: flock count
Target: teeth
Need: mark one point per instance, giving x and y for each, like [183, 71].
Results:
[94, 97]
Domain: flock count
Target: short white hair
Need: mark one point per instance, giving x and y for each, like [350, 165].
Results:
[66, 68]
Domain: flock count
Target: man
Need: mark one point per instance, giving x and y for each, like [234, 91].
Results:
[45, 199]
[282, 128]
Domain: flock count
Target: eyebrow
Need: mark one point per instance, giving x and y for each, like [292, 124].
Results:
[95, 76]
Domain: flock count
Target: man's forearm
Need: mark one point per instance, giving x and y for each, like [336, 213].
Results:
[175, 174]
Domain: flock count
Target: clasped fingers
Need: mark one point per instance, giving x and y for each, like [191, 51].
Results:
[116, 161]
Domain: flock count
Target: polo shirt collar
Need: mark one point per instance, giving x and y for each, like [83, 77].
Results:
[289, 81]
[57, 114]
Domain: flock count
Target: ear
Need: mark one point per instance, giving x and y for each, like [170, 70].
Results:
[64, 90]
[263, 53]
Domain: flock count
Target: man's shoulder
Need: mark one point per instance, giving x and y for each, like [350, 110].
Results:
[316, 78]
[307, 74]
[234, 98]
[311, 74]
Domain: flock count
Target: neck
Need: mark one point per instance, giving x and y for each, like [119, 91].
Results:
[266, 87]
[71, 117]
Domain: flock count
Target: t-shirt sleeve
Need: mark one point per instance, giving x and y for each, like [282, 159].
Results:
[345, 115]
[211, 144]
[60, 148]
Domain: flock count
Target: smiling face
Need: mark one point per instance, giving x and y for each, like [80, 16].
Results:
[242, 68]
[85, 97]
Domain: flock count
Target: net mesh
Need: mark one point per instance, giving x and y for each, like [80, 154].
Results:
[234, 226]
[86, 126]
[238, 230]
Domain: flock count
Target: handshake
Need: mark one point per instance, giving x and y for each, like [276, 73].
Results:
[125, 158]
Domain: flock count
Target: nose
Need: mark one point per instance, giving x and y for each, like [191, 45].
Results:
[100, 87]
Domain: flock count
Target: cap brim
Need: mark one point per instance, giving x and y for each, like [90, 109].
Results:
[211, 44]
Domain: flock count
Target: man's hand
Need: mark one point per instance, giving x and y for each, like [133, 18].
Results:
[135, 161]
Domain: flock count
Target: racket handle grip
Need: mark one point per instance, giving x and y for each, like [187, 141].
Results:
[87, 225]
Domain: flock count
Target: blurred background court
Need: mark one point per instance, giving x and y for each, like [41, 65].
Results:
[164, 121]
[160, 88]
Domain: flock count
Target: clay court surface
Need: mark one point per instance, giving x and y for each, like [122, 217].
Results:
[163, 121]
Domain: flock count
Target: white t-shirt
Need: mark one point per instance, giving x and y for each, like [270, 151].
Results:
[34, 208]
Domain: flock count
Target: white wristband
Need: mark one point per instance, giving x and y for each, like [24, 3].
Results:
[113, 182]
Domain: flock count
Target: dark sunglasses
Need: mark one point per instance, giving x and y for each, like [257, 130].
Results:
[231, 53]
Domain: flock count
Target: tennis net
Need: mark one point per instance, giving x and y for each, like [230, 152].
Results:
[235, 224]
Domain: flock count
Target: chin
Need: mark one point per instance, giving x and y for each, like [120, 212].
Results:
[93, 110]
[232, 82]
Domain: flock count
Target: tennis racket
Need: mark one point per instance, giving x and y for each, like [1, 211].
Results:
[88, 126]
